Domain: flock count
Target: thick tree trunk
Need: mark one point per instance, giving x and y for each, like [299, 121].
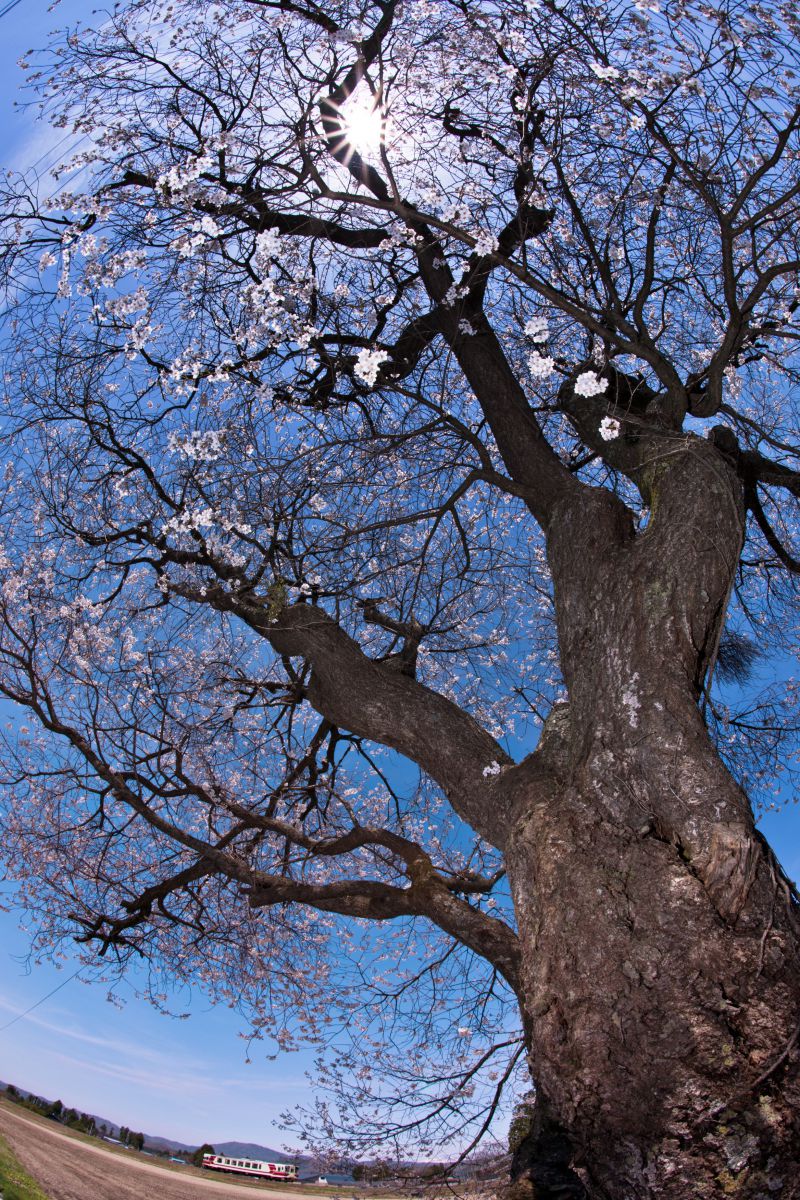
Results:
[664, 1027]
[660, 940]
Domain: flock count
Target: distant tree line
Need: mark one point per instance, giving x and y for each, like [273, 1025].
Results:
[55, 1110]
[129, 1138]
[372, 1172]
[483, 1164]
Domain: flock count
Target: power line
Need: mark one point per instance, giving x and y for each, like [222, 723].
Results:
[8, 7]
[64, 982]
[61, 156]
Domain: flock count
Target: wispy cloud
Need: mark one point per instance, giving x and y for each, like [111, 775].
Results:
[127, 1049]
[144, 1066]
[174, 1081]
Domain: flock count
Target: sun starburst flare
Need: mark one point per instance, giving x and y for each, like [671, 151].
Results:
[364, 126]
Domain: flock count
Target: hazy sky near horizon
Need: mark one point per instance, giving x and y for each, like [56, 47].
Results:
[189, 1079]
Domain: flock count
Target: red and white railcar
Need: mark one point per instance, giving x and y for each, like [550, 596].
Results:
[252, 1167]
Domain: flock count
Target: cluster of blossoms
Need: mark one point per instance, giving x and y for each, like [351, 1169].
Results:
[453, 294]
[185, 367]
[537, 329]
[605, 72]
[589, 383]
[609, 429]
[191, 521]
[203, 230]
[180, 178]
[368, 364]
[486, 244]
[139, 334]
[215, 527]
[540, 366]
[122, 306]
[267, 246]
[310, 584]
[198, 446]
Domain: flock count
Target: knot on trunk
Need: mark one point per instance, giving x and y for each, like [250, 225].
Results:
[555, 748]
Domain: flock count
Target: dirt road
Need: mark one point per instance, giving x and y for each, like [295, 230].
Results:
[71, 1169]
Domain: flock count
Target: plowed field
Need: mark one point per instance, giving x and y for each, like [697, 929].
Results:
[69, 1168]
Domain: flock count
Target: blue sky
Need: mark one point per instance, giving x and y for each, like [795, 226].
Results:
[185, 1079]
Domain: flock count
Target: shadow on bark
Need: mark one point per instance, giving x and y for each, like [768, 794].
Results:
[540, 1166]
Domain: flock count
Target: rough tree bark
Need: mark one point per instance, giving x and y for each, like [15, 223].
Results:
[660, 947]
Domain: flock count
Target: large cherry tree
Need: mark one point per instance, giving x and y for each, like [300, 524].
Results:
[398, 437]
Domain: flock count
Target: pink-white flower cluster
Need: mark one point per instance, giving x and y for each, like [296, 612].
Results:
[589, 384]
[368, 364]
[541, 366]
[609, 429]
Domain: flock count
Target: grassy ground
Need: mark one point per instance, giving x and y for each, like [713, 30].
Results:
[15, 1183]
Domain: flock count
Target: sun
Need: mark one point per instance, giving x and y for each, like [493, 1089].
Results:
[363, 125]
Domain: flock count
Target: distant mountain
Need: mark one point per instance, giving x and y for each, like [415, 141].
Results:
[160, 1143]
[229, 1149]
[250, 1150]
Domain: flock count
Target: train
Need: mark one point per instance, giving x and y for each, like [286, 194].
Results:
[252, 1167]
